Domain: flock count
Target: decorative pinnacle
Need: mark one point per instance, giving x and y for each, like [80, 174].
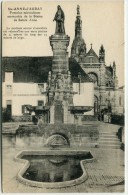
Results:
[102, 48]
[78, 10]
[114, 64]
[91, 45]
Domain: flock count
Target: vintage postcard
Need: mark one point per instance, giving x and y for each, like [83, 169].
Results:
[63, 96]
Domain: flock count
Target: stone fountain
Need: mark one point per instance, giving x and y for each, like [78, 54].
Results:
[59, 115]
[59, 91]
[58, 132]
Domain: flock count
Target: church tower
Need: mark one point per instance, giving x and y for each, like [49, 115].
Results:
[78, 48]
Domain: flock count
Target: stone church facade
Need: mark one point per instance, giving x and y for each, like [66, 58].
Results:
[93, 84]
[107, 95]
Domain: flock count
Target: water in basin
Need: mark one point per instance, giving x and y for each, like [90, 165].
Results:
[49, 168]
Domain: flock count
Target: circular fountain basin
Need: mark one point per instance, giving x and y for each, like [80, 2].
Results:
[80, 108]
[56, 159]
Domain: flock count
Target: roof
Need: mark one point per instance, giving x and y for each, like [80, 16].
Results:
[75, 70]
[35, 69]
[91, 53]
[27, 69]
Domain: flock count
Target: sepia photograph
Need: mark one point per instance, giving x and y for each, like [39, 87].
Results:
[63, 91]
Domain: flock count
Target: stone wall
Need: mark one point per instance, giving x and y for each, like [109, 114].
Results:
[22, 118]
[87, 135]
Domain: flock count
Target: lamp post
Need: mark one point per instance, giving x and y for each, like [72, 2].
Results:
[100, 107]
[79, 76]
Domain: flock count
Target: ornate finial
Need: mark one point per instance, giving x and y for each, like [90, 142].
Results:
[78, 10]
[91, 45]
[114, 64]
[102, 48]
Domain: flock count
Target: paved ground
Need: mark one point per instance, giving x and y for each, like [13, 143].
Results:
[106, 169]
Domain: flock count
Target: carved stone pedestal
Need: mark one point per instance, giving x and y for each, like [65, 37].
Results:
[59, 86]
[59, 45]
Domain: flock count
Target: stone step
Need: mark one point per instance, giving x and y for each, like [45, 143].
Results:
[113, 133]
[108, 139]
[107, 136]
[109, 146]
[109, 142]
[77, 139]
[100, 138]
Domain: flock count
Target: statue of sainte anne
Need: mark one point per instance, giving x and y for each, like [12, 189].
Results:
[59, 18]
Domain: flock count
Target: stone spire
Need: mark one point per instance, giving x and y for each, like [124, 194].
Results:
[78, 24]
[78, 49]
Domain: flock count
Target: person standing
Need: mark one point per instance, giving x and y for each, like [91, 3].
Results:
[33, 117]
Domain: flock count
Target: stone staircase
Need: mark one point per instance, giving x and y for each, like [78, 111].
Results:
[109, 140]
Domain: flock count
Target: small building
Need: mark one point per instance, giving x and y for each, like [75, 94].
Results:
[24, 85]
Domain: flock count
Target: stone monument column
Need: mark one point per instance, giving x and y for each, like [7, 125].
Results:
[59, 45]
[59, 86]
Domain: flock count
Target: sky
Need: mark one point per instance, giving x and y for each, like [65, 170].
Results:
[102, 23]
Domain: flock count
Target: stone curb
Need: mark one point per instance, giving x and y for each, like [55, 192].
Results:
[54, 185]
